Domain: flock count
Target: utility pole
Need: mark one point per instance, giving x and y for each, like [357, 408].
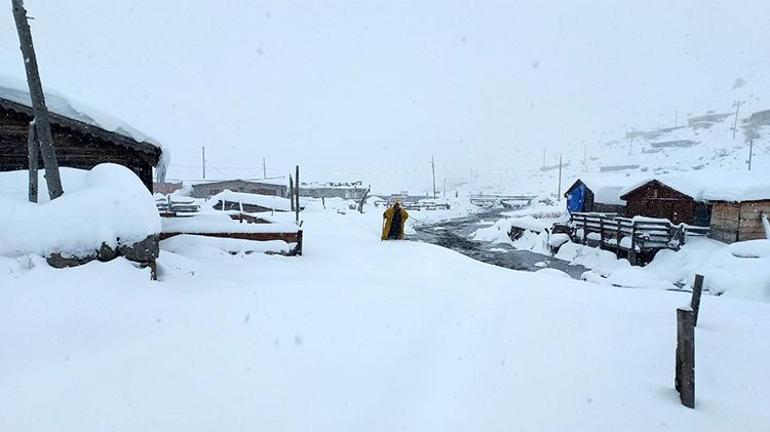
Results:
[42, 123]
[264, 168]
[558, 194]
[203, 161]
[433, 171]
[676, 117]
[751, 151]
[737, 105]
[543, 158]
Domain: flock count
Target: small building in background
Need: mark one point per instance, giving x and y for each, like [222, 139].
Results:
[351, 191]
[275, 187]
[733, 221]
[738, 204]
[730, 203]
[596, 195]
[82, 138]
[677, 200]
[166, 188]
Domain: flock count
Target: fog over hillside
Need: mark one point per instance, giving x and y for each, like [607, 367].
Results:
[369, 90]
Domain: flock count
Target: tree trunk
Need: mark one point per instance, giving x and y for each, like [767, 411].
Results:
[42, 123]
[33, 156]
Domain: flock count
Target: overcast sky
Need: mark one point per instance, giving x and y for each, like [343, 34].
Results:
[372, 89]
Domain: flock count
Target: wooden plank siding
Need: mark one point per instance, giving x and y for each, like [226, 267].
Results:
[656, 200]
[77, 146]
[738, 221]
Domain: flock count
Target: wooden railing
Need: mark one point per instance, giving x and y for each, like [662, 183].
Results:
[167, 207]
[637, 234]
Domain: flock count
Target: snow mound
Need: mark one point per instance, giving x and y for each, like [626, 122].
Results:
[108, 204]
[206, 247]
[553, 272]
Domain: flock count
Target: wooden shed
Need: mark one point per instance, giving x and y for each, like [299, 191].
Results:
[660, 200]
[594, 195]
[738, 221]
[81, 139]
[738, 205]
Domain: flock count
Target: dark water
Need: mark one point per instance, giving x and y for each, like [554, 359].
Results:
[453, 234]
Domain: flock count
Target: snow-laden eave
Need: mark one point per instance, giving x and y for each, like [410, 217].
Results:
[152, 148]
[14, 95]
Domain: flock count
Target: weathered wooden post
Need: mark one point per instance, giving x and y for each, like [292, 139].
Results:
[33, 156]
[42, 124]
[291, 191]
[632, 251]
[697, 290]
[684, 377]
[296, 189]
[601, 230]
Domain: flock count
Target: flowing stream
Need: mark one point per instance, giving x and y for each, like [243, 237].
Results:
[454, 234]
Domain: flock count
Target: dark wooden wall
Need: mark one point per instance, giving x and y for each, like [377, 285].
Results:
[74, 149]
[660, 201]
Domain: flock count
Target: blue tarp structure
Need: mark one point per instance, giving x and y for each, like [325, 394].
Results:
[576, 199]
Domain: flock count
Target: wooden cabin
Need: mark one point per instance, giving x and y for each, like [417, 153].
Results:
[80, 141]
[738, 204]
[587, 195]
[260, 187]
[739, 221]
[656, 199]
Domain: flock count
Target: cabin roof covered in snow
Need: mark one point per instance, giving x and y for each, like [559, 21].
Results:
[607, 189]
[715, 185]
[14, 95]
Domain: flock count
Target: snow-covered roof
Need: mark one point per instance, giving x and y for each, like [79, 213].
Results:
[607, 189]
[715, 185]
[266, 201]
[16, 92]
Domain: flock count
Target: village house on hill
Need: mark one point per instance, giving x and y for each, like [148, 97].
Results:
[82, 137]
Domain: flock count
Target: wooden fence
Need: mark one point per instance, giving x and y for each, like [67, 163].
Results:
[633, 235]
[167, 207]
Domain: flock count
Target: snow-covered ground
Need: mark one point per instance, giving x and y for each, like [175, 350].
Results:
[360, 334]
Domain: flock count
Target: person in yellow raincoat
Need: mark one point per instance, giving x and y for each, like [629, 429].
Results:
[395, 218]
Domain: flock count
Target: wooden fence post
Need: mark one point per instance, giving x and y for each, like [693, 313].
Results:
[632, 251]
[684, 378]
[296, 189]
[697, 289]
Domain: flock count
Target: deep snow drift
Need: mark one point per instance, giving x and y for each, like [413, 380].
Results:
[360, 334]
[107, 204]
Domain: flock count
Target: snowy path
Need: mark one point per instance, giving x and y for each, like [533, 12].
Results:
[362, 335]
